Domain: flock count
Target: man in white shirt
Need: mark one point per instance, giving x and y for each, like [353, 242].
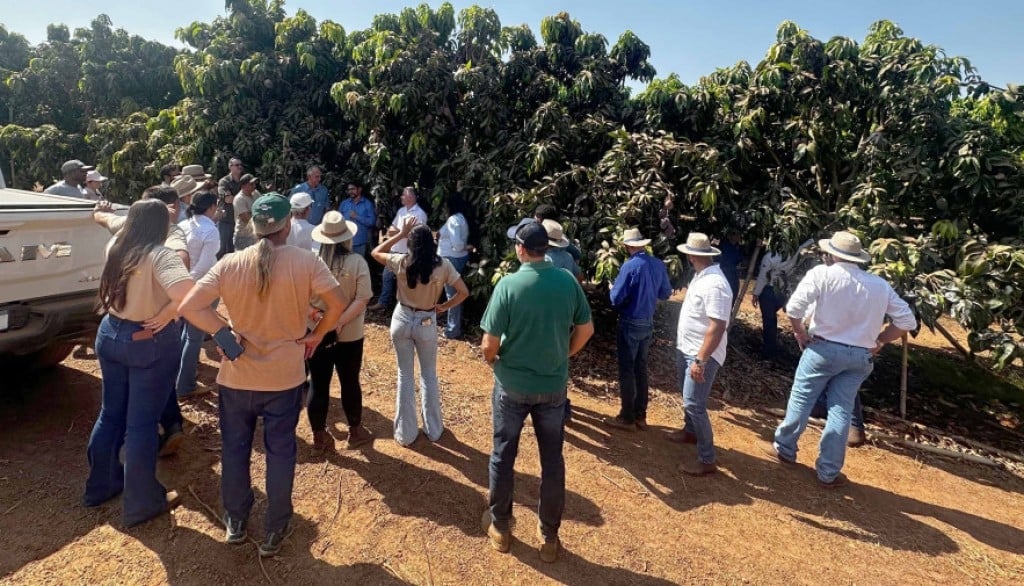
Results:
[701, 340]
[771, 291]
[389, 281]
[845, 334]
[301, 234]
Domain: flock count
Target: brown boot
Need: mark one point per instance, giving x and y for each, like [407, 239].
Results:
[323, 441]
[768, 449]
[836, 482]
[619, 423]
[641, 424]
[358, 436]
[548, 548]
[682, 436]
[697, 468]
[856, 437]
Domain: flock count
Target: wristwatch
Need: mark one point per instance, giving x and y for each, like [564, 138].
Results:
[698, 362]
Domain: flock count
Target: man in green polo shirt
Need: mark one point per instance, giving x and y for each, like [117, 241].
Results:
[536, 319]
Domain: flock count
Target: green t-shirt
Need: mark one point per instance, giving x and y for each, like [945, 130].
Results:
[532, 311]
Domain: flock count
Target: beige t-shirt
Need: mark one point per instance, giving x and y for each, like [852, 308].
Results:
[353, 274]
[148, 284]
[269, 327]
[175, 235]
[243, 205]
[423, 296]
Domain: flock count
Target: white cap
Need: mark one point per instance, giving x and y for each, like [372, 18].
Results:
[301, 201]
[94, 175]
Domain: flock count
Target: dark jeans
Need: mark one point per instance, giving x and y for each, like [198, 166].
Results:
[347, 359]
[171, 419]
[389, 283]
[238, 413]
[453, 320]
[227, 238]
[820, 411]
[136, 381]
[509, 411]
[770, 304]
[633, 340]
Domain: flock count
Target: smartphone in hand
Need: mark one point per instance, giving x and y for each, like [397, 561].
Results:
[225, 339]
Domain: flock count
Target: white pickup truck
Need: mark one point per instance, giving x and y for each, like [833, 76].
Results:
[51, 259]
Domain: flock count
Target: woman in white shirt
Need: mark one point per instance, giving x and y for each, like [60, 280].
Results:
[203, 241]
[453, 244]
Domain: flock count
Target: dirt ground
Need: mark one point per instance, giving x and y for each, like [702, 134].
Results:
[393, 515]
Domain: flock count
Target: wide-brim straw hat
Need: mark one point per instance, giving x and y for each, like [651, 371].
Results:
[846, 246]
[556, 236]
[196, 172]
[698, 244]
[633, 237]
[334, 229]
[185, 185]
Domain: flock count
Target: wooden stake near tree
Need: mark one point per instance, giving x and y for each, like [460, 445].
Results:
[743, 288]
[903, 377]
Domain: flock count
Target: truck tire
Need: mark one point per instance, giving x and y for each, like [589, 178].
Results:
[50, 356]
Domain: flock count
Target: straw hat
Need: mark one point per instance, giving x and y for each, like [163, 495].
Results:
[633, 237]
[698, 244]
[196, 172]
[334, 229]
[845, 246]
[185, 185]
[556, 236]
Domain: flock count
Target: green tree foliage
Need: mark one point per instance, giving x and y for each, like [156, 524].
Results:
[887, 136]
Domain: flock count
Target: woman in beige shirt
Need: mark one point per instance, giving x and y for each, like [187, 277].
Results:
[342, 348]
[137, 345]
[421, 275]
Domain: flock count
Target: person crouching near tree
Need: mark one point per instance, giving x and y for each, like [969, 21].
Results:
[421, 276]
[137, 345]
[266, 289]
[342, 347]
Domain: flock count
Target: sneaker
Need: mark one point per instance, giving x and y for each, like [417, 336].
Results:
[768, 449]
[358, 436]
[856, 437]
[682, 436]
[235, 530]
[323, 441]
[548, 548]
[836, 482]
[619, 423]
[171, 442]
[272, 544]
[641, 424]
[697, 468]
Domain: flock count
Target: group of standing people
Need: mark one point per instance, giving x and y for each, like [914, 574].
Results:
[297, 311]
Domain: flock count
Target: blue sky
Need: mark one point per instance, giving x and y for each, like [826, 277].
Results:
[688, 37]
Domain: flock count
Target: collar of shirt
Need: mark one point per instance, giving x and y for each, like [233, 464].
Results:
[535, 266]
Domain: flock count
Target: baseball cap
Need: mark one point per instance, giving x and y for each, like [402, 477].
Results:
[301, 201]
[75, 165]
[533, 236]
[270, 214]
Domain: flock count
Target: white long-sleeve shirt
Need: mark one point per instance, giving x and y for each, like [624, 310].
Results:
[402, 245]
[202, 241]
[774, 262]
[451, 238]
[849, 304]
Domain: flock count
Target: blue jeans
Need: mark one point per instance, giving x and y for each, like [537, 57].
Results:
[769, 304]
[191, 346]
[633, 340]
[695, 404]
[389, 282]
[238, 413]
[453, 322]
[856, 416]
[508, 412]
[837, 370]
[414, 334]
[136, 379]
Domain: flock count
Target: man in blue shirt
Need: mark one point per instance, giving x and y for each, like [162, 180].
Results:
[316, 190]
[641, 282]
[360, 210]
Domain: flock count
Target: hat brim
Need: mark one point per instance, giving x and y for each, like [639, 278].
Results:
[637, 243]
[511, 233]
[563, 243]
[826, 246]
[194, 191]
[101, 179]
[696, 252]
[199, 178]
[87, 168]
[319, 236]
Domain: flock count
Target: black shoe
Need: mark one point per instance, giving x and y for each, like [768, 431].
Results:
[272, 544]
[235, 530]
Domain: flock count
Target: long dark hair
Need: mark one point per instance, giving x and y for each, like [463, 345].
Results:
[456, 204]
[145, 228]
[335, 255]
[201, 202]
[423, 257]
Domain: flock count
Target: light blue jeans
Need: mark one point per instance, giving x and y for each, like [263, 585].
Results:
[695, 404]
[453, 321]
[414, 334]
[838, 371]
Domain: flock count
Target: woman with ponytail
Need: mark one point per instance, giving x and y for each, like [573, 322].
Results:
[203, 241]
[266, 289]
[136, 344]
[421, 275]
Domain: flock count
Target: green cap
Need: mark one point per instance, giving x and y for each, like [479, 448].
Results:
[270, 213]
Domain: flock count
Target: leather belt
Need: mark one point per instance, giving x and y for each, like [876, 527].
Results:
[415, 308]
